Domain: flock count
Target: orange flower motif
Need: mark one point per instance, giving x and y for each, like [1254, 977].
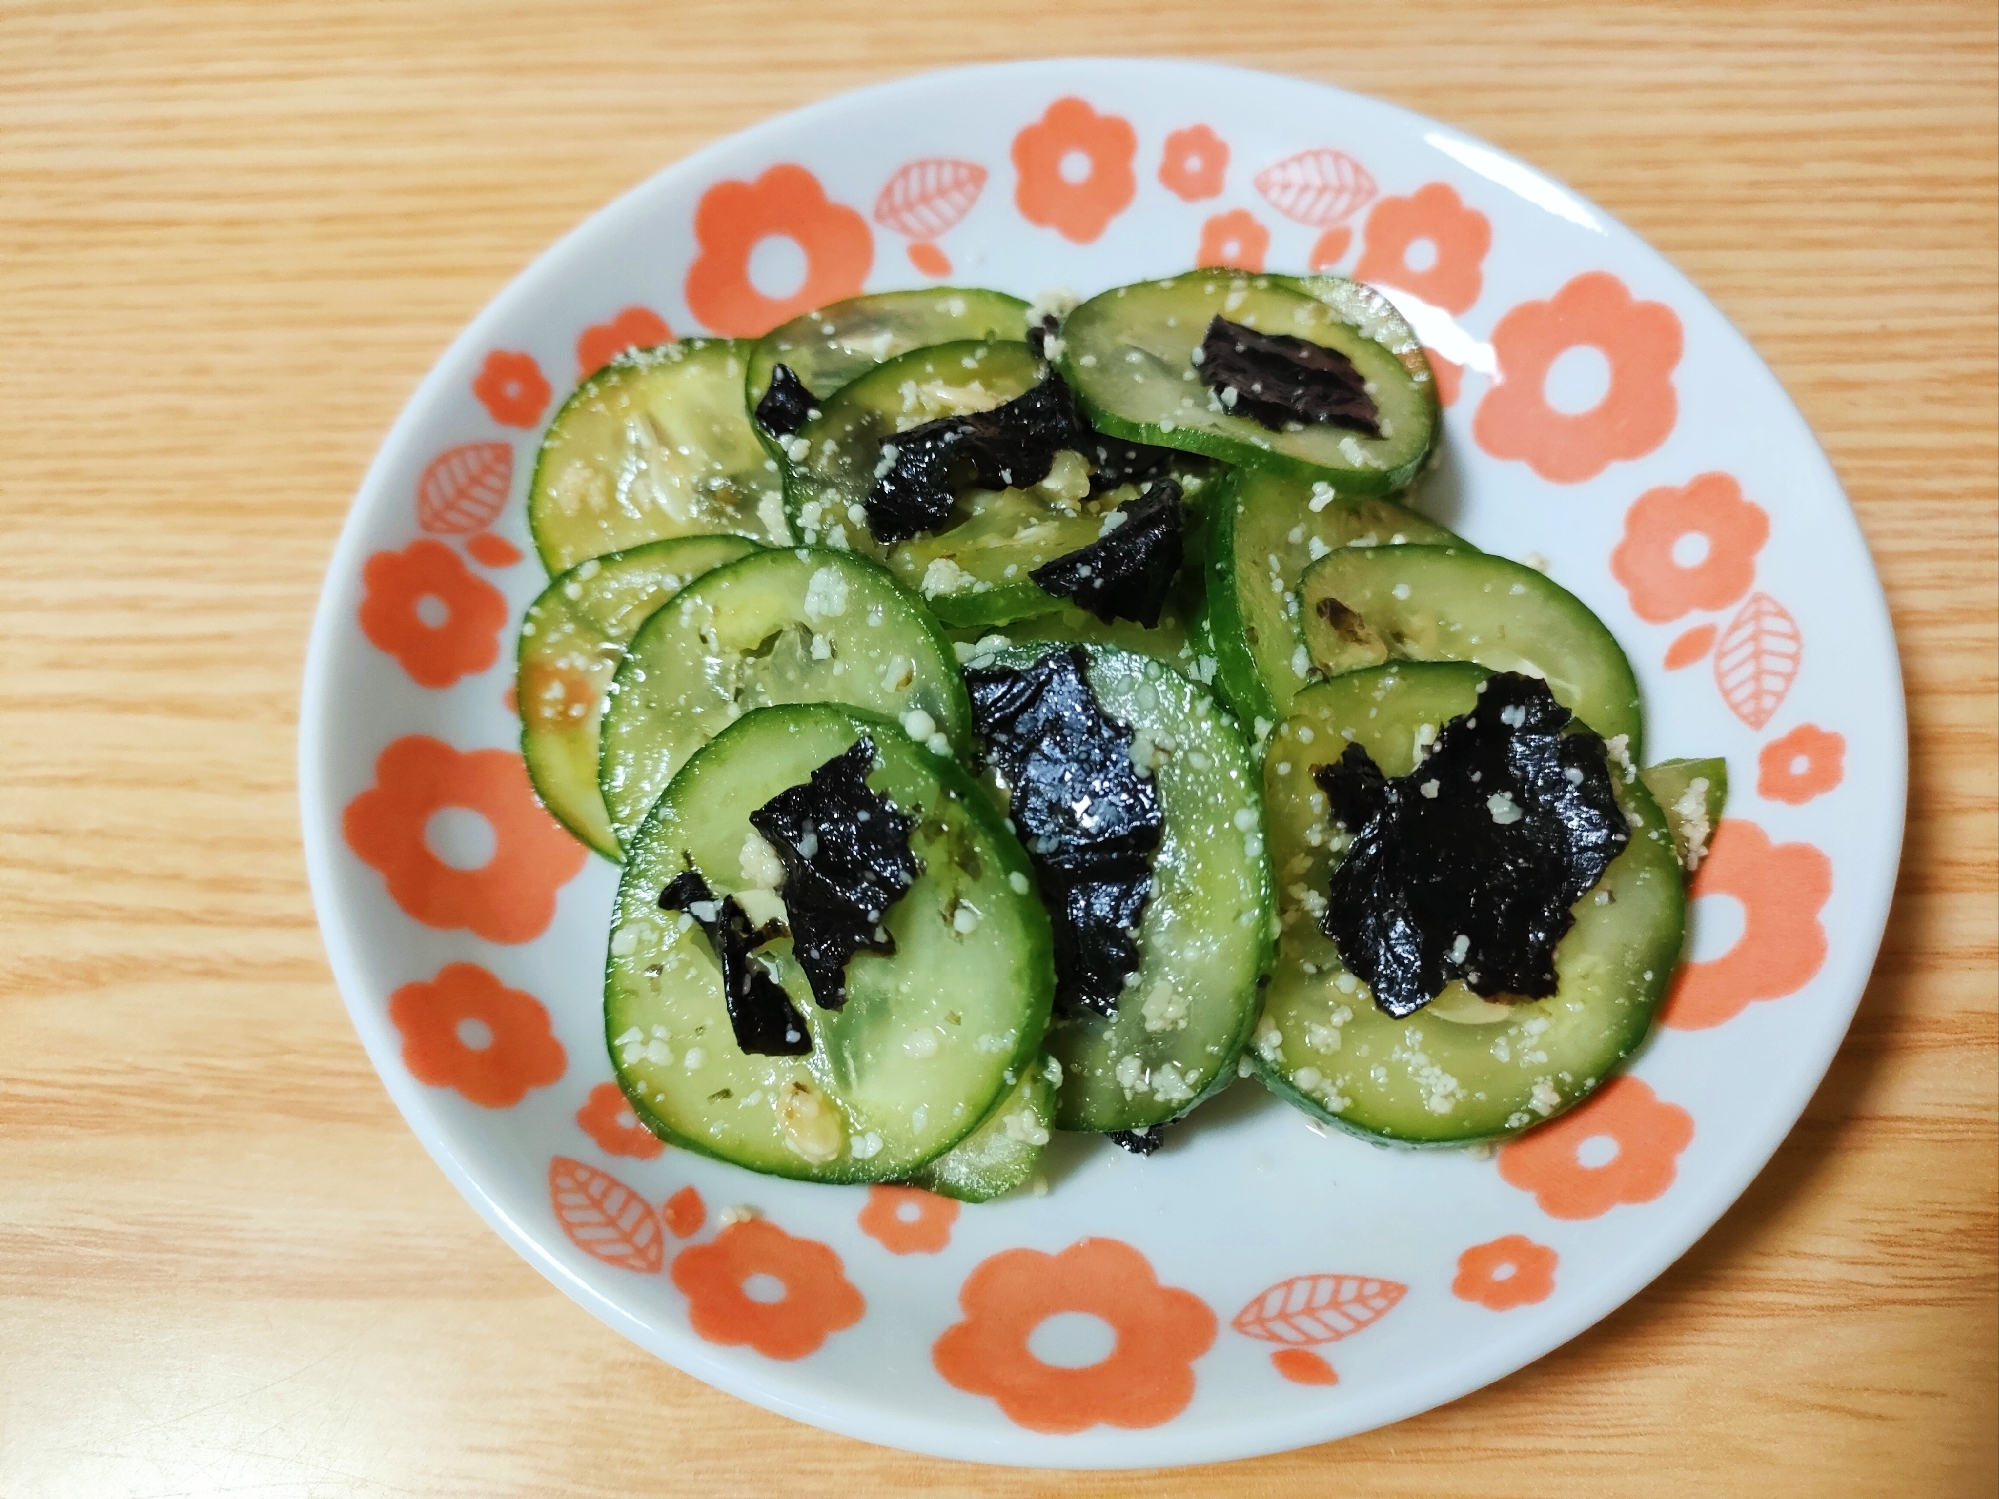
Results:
[607, 1118]
[1195, 164]
[466, 1030]
[684, 1213]
[1509, 1272]
[787, 202]
[1644, 1137]
[493, 551]
[510, 897]
[511, 388]
[754, 1283]
[908, 1220]
[430, 611]
[1782, 888]
[1147, 1378]
[1233, 240]
[1807, 762]
[1691, 548]
[1641, 341]
[1689, 646]
[1329, 247]
[634, 328]
[1075, 170]
[1430, 244]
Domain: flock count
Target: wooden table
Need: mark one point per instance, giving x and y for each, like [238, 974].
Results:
[233, 236]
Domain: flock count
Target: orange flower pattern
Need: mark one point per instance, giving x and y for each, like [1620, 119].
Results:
[1329, 247]
[1641, 341]
[929, 259]
[1645, 1133]
[604, 1217]
[511, 387]
[1807, 762]
[1782, 888]
[755, 1284]
[787, 202]
[493, 551]
[1727, 531]
[607, 1118]
[1147, 1379]
[430, 611]
[511, 897]
[467, 1031]
[1234, 241]
[1195, 164]
[1689, 647]
[1075, 170]
[1456, 238]
[1303, 1366]
[634, 328]
[684, 1213]
[1509, 1272]
[464, 488]
[908, 1220]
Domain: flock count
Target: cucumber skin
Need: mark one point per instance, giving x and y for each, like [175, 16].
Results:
[1041, 945]
[1035, 1093]
[1236, 674]
[1668, 781]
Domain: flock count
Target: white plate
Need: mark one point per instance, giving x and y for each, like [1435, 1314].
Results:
[1267, 1286]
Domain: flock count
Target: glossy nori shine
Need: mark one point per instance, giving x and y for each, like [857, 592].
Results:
[760, 1012]
[1467, 867]
[1278, 379]
[787, 405]
[1126, 572]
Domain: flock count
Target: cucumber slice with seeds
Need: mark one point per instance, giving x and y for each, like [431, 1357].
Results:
[1462, 1069]
[834, 345]
[792, 626]
[1365, 606]
[931, 1036]
[654, 445]
[1264, 531]
[571, 642]
[1002, 1153]
[1204, 935]
[1129, 353]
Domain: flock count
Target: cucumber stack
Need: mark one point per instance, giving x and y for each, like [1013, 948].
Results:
[1013, 719]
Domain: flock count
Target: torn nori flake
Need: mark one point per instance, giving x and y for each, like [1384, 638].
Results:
[1041, 332]
[1090, 823]
[1475, 879]
[1114, 461]
[787, 405]
[761, 1014]
[1277, 379]
[846, 860]
[1140, 1141]
[1126, 572]
[1011, 446]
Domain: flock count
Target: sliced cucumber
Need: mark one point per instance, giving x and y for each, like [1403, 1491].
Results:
[1204, 937]
[931, 1036]
[1365, 606]
[654, 445]
[793, 626]
[1691, 793]
[836, 344]
[571, 642]
[1462, 1069]
[1129, 353]
[831, 461]
[1264, 531]
[1000, 1154]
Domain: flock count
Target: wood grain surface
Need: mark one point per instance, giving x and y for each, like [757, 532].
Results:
[232, 238]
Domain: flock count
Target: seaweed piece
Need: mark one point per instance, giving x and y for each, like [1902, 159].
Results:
[1090, 823]
[1013, 445]
[1050, 326]
[787, 405]
[1467, 867]
[1126, 572]
[760, 1013]
[1278, 379]
[1113, 461]
[847, 859]
[1140, 1141]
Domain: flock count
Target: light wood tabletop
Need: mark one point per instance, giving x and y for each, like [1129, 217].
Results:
[233, 237]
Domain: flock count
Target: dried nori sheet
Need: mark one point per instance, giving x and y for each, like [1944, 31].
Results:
[760, 1013]
[787, 405]
[1278, 379]
[1127, 572]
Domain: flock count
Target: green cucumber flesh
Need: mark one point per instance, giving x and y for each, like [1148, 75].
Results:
[1204, 936]
[931, 1037]
[1129, 355]
[1002, 1153]
[1364, 606]
[1462, 1069]
[654, 445]
[834, 345]
[1264, 531]
[796, 625]
[1691, 793]
[571, 642]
